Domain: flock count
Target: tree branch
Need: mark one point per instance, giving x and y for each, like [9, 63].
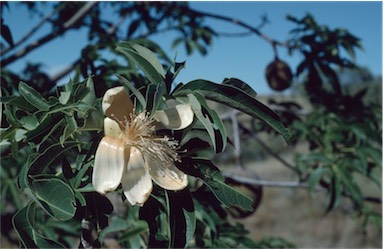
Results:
[31, 32]
[232, 113]
[268, 183]
[239, 23]
[81, 13]
[287, 184]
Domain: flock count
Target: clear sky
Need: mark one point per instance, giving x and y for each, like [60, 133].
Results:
[241, 57]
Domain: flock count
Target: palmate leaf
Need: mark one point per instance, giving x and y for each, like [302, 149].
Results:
[234, 97]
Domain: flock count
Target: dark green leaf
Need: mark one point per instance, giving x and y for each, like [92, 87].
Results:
[69, 129]
[334, 190]
[18, 101]
[116, 224]
[49, 156]
[349, 184]
[154, 97]
[131, 233]
[24, 221]
[151, 212]
[210, 119]
[145, 59]
[133, 27]
[315, 177]
[6, 33]
[197, 109]
[33, 97]
[55, 196]
[236, 98]
[241, 85]
[229, 196]
[133, 89]
[46, 127]
[182, 219]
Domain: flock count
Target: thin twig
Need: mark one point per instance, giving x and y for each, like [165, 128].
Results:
[231, 113]
[239, 23]
[287, 184]
[268, 183]
[269, 150]
[32, 46]
[31, 32]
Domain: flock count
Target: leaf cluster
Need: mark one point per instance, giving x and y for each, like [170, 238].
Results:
[53, 139]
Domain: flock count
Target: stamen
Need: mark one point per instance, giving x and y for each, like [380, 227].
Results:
[139, 132]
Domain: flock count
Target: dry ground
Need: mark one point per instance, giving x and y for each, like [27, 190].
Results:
[295, 216]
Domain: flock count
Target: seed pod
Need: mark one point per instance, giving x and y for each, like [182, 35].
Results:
[279, 75]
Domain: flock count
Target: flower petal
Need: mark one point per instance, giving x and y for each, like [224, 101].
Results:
[137, 183]
[116, 104]
[111, 128]
[176, 118]
[167, 175]
[111, 156]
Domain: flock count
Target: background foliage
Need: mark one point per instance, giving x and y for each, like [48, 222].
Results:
[49, 134]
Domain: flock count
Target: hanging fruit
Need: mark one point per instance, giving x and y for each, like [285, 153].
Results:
[279, 75]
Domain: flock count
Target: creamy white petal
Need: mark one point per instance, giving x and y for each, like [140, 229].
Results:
[136, 181]
[111, 128]
[110, 158]
[166, 175]
[116, 104]
[177, 118]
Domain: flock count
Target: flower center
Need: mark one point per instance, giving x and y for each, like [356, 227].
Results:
[139, 131]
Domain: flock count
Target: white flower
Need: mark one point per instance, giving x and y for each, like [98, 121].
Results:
[132, 154]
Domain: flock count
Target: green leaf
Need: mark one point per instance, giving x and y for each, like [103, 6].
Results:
[229, 196]
[152, 212]
[133, 89]
[349, 184]
[24, 221]
[217, 123]
[90, 97]
[197, 109]
[315, 177]
[240, 85]
[132, 233]
[46, 127]
[154, 96]
[55, 196]
[69, 129]
[334, 190]
[236, 98]
[145, 60]
[49, 156]
[18, 101]
[116, 224]
[33, 97]
[29, 122]
[153, 47]
[64, 97]
[210, 119]
[181, 217]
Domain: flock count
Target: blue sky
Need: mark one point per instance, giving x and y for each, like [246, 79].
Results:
[242, 57]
